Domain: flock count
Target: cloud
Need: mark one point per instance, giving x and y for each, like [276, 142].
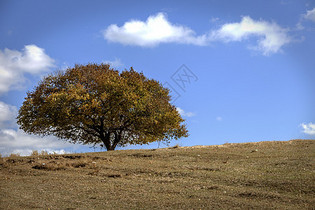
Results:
[15, 64]
[310, 15]
[185, 114]
[271, 36]
[8, 114]
[156, 30]
[308, 128]
[115, 63]
[17, 141]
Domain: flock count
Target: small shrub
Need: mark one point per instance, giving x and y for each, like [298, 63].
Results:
[44, 152]
[35, 153]
[14, 155]
[227, 143]
[175, 147]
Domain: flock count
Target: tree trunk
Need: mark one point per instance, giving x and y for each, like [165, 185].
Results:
[110, 148]
[116, 140]
[106, 140]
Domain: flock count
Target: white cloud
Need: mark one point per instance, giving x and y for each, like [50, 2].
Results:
[14, 64]
[17, 141]
[115, 63]
[308, 128]
[310, 15]
[185, 114]
[8, 114]
[13, 141]
[271, 36]
[157, 29]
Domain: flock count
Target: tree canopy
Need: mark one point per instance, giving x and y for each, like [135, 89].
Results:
[96, 104]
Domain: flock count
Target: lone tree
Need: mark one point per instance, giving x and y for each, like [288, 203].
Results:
[95, 104]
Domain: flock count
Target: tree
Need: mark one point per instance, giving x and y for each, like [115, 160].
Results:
[95, 104]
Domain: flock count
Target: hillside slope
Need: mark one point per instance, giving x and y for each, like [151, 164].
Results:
[248, 175]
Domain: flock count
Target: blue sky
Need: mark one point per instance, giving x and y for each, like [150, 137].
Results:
[251, 63]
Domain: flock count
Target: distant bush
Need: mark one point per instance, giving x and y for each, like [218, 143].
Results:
[14, 155]
[44, 152]
[35, 153]
[176, 146]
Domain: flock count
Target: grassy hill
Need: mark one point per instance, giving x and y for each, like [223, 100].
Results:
[234, 176]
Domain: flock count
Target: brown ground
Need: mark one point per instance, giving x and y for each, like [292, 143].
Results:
[261, 175]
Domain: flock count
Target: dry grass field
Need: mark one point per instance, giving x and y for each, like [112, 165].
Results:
[262, 175]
